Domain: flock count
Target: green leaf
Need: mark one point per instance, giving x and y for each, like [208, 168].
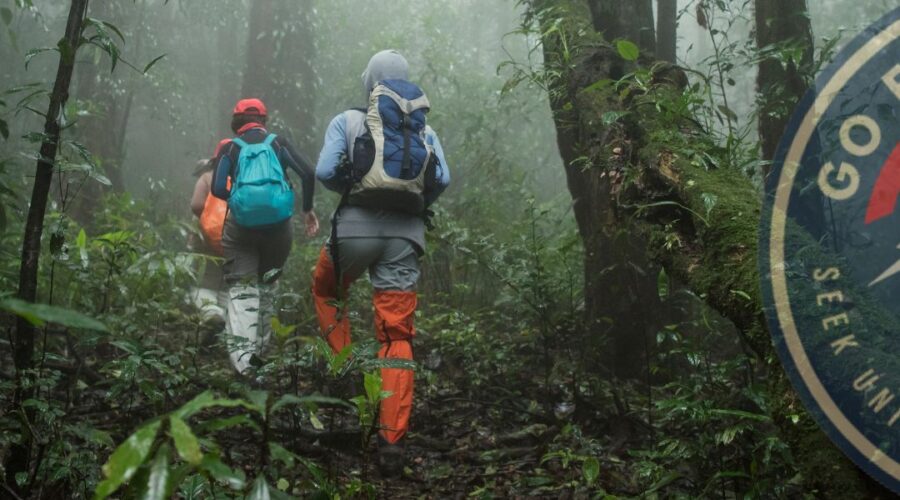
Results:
[709, 202]
[205, 400]
[281, 454]
[662, 284]
[260, 490]
[114, 29]
[282, 331]
[599, 85]
[316, 423]
[124, 462]
[194, 488]
[234, 478]
[290, 399]
[611, 117]
[34, 52]
[372, 383]
[590, 469]
[628, 50]
[258, 401]
[39, 314]
[152, 63]
[86, 169]
[663, 482]
[340, 359]
[185, 441]
[229, 422]
[742, 414]
[728, 112]
[538, 481]
[158, 483]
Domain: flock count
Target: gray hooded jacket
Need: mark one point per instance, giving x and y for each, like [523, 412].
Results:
[360, 222]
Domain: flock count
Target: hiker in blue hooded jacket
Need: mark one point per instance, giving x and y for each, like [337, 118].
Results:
[389, 167]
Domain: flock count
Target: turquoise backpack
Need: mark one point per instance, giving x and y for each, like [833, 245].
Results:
[261, 194]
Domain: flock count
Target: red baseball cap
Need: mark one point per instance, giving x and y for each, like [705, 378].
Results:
[249, 107]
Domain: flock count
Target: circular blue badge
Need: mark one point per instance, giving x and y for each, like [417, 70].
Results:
[830, 250]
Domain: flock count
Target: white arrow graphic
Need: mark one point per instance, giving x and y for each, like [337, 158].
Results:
[887, 274]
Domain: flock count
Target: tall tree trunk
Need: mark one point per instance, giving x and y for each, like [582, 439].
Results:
[618, 286]
[667, 30]
[298, 85]
[261, 46]
[34, 226]
[781, 24]
[229, 80]
[279, 67]
[631, 20]
[638, 161]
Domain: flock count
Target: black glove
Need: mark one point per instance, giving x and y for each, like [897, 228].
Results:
[428, 215]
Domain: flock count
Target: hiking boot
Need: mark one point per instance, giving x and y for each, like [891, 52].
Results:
[257, 361]
[210, 330]
[390, 459]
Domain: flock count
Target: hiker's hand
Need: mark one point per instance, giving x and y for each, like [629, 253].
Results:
[311, 222]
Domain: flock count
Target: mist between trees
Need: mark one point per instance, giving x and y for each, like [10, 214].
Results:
[565, 347]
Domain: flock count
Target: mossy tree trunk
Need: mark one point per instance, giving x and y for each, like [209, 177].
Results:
[621, 300]
[635, 166]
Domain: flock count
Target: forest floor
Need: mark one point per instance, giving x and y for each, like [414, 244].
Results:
[490, 441]
[460, 447]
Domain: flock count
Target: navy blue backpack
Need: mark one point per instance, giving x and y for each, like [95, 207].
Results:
[390, 158]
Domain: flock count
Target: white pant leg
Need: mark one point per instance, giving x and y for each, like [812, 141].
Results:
[242, 325]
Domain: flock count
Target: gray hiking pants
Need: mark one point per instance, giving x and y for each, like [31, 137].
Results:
[255, 251]
[393, 263]
[253, 261]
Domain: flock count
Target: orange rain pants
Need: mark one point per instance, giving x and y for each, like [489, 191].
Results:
[394, 313]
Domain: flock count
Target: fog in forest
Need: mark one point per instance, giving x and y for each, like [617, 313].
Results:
[304, 59]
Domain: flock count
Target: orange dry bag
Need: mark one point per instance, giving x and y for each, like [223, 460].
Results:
[212, 222]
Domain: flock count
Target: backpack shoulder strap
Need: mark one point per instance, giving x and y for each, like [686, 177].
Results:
[356, 123]
[354, 127]
[269, 139]
[239, 142]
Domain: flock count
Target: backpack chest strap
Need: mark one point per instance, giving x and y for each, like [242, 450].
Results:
[406, 106]
[243, 144]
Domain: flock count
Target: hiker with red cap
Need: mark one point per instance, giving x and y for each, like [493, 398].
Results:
[389, 167]
[251, 174]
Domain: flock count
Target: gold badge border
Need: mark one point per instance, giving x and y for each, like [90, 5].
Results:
[776, 249]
